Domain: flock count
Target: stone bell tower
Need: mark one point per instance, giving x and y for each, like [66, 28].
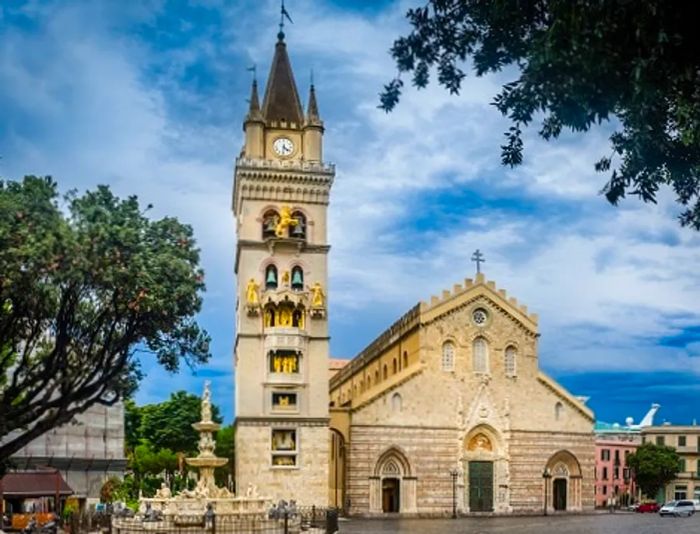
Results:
[280, 200]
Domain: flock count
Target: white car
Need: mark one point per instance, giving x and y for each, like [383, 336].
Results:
[678, 508]
[696, 504]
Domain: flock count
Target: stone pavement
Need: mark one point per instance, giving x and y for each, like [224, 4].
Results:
[619, 523]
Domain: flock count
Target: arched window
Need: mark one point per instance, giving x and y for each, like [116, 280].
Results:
[510, 361]
[299, 229]
[405, 359]
[298, 317]
[395, 368]
[269, 225]
[396, 402]
[448, 356]
[369, 381]
[558, 411]
[386, 372]
[480, 355]
[271, 277]
[362, 385]
[297, 278]
[376, 376]
[270, 315]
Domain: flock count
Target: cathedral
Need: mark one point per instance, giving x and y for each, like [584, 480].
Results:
[445, 412]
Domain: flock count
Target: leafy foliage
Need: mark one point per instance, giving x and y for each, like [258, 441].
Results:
[168, 424]
[83, 290]
[654, 466]
[225, 448]
[579, 63]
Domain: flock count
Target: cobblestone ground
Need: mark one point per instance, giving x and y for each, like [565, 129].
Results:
[619, 523]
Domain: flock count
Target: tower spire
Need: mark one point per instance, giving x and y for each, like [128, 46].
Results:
[281, 102]
[312, 116]
[254, 107]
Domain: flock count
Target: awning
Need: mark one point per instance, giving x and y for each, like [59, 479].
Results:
[34, 484]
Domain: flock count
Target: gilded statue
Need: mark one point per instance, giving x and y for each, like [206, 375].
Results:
[285, 316]
[286, 220]
[317, 296]
[285, 278]
[251, 292]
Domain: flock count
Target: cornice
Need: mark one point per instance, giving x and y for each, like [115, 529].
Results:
[291, 181]
[404, 325]
[564, 395]
[282, 420]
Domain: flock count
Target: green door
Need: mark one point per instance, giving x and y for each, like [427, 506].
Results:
[480, 486]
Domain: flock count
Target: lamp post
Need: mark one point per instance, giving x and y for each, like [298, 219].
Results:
[546, 475]
[454, 473]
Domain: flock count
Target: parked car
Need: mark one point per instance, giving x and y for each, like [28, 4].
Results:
[648, 507]
[678, 508]
[696, 504]
[633, 507]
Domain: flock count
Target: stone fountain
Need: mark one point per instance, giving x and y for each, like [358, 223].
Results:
[190, 509]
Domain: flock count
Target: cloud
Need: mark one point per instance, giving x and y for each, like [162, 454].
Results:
[150, 99]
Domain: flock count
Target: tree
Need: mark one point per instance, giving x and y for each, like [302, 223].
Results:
[654, 466]
[577, 63]
[225, 448]
[168, 425]
[84, 291]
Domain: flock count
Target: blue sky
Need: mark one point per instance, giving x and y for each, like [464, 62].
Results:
[149, 98]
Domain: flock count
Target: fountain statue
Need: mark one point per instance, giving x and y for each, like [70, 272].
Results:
[190, 508]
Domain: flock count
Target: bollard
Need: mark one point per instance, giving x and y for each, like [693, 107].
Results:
[332, 521]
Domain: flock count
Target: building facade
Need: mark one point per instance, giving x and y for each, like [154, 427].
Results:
[686, 441]
[280, 199]
[614, 483]
[86, 452]
[448, 408]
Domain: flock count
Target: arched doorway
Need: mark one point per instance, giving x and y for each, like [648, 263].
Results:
[485, 472]
[563, 483]
[393, 486]
[336, 474]
[559, 494]
[391, 495]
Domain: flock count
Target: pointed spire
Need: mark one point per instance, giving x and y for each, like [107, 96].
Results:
[312, 116]
[254, 108]
[281, 98]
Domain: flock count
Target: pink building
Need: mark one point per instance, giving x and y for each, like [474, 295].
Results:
[612, 476]
[614, 443]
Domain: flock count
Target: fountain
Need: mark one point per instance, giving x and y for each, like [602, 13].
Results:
[190, 510]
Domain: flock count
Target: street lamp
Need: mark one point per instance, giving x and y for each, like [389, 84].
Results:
[546, 475]
[454, 473]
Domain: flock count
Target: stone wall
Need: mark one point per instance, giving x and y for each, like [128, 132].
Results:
[307, 483]
[529, 453]
[430, 454]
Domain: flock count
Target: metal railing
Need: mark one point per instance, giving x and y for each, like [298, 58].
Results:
[312, 520]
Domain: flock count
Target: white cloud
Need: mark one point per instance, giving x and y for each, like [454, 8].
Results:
[607, 282]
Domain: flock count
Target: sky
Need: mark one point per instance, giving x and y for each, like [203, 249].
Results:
[149, 97]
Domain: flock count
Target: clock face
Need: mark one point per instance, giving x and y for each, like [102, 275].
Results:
[283, 146]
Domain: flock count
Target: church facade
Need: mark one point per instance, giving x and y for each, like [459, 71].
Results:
[447, 409]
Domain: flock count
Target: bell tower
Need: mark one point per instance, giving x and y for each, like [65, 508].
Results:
[280, 200]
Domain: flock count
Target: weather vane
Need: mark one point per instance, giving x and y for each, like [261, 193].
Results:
[478, 257]
[283, 13]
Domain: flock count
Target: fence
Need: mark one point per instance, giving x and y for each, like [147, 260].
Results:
[311, 520]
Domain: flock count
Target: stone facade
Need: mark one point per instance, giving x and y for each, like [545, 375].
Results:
[453, 391]
[280, 199]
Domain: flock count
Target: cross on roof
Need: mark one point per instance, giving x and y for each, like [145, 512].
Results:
[478, 257]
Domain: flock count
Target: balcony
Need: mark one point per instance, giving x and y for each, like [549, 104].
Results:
[278, 337]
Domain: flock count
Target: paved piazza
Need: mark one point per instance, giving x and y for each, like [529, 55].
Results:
[619, 523]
